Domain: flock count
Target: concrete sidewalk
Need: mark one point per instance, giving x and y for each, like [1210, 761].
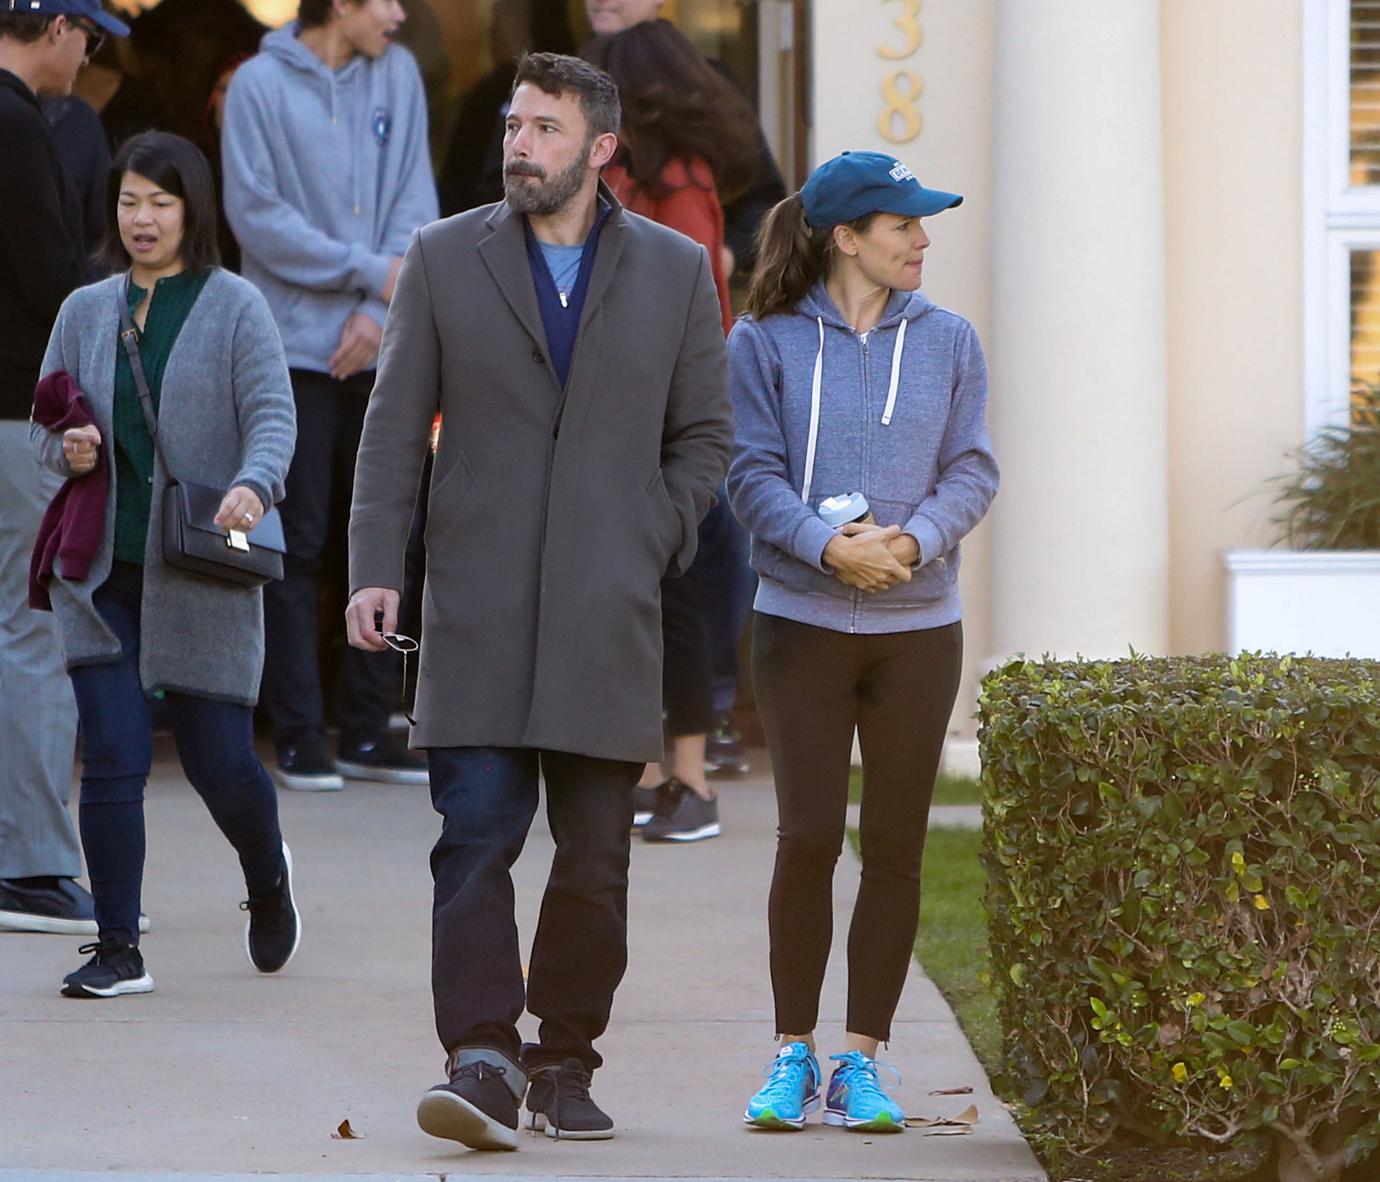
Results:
[221, 1073]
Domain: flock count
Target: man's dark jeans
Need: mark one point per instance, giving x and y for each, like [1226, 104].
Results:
[315, 510]
[487, 798]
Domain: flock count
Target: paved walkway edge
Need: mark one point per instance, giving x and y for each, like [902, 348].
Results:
[9, 1175]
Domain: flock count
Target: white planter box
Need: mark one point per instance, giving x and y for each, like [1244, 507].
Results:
[1322, 602]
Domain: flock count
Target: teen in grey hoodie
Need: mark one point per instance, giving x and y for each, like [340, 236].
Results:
[327, 175]
[846, 379]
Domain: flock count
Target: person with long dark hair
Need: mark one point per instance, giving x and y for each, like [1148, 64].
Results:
[206, 378]
[688, 136]
[861, 461]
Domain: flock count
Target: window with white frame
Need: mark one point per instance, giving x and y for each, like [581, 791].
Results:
[1341, 204]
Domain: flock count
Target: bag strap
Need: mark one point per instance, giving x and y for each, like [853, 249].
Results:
[129, 337]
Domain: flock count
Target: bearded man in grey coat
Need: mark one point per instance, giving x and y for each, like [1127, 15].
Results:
[575, 353]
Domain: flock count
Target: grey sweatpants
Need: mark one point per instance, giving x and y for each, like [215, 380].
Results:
[38, 714]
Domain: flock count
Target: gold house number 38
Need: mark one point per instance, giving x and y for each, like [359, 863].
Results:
[900, 120]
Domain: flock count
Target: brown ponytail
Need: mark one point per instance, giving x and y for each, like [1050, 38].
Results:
[791, 258]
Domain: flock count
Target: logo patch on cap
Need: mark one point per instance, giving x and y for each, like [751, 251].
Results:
[901, 173]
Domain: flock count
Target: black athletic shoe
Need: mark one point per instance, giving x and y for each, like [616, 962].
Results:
[274, 928]
[559, 1102]
[386, 760]
[646, 803]
[115, 969]
[687, 817]
[479, 1105]
[304, 766]
[50, 904]
[724, 756]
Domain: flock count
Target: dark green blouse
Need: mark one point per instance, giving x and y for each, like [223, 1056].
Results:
[173, 299]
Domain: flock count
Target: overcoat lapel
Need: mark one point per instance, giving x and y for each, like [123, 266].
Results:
[606, 261]
[505, 254]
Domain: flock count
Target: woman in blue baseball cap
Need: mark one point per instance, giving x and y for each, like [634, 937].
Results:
[862, 459]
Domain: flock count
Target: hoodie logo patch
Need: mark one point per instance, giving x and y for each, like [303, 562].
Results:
[383, 126]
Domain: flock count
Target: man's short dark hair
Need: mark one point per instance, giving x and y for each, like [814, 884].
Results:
[176, 166]
[312, 14]
[25, 27]
[557, 74]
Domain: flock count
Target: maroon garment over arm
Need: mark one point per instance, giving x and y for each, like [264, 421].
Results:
[74, 523]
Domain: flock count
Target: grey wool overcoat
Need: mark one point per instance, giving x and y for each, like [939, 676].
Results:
[225, 418]
[553, 514]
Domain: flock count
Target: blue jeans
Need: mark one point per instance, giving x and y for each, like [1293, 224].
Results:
[215, 742]
[726, 587]
[487, 798]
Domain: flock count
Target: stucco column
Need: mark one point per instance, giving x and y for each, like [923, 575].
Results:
[1080, 544]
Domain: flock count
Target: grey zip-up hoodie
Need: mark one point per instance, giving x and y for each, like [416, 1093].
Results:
[327, 174]
[897, 413]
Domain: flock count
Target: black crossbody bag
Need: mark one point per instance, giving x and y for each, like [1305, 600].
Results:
[192, 540]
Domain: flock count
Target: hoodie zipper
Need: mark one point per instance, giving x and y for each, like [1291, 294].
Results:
[862, 338]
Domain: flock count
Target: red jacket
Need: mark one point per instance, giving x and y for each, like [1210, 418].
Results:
[74, 523]
[691, 206]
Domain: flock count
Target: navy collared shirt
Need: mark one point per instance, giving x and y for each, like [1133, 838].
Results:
[562, 320]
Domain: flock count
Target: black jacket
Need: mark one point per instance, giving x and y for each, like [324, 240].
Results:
[41, 243]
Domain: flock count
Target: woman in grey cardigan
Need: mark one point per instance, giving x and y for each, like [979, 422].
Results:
[134, 626]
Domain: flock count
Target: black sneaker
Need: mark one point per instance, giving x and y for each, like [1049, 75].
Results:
[723, 750]
[386, 760]
[646, 801]
[479, 1106]
[274, 928]
[115, 969]
[48, 904]
[303, 765]
[559, 1102]
[686, 817]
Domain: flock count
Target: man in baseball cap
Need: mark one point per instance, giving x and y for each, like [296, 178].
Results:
[42, 258]
[855, 184]
[89, 10]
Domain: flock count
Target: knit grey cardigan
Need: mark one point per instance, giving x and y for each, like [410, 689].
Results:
[225, 418]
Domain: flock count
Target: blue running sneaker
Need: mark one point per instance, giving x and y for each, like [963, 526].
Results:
[790, 1094]
[856, 1100]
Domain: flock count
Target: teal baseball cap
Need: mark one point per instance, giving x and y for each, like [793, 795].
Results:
[855, 184]
[89, 9]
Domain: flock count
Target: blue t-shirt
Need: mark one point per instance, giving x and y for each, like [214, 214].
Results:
[564, 264]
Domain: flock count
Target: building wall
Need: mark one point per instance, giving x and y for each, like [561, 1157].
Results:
[1233, 90]
[1231, 87]
[953, 150]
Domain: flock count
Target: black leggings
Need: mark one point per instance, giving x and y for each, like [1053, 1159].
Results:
[814, 687]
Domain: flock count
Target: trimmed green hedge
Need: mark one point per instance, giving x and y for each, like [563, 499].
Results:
[1183, 863]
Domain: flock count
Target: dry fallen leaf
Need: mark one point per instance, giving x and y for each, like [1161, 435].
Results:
[946, 1126]
[345, 1133]
[952, 1092]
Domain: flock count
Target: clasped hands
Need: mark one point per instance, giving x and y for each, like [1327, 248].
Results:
[240, 509]
[870, 557]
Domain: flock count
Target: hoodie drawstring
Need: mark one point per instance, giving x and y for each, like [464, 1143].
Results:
[815, 389]
[895, 374]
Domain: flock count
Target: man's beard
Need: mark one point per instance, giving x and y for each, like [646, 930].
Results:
[545, 195]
